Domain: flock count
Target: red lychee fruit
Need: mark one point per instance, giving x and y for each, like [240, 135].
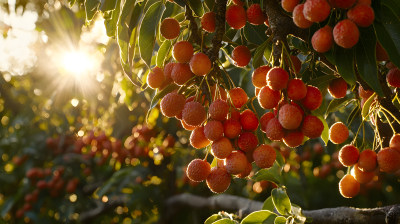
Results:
[363, 15]
[155, 78]
[264, 156]
[198, 170]
[346, 33]
[236, 162]
[277, 78]
[337, 88]
[193, 113]
[213, 130]
[298, 17]
[313, 98]
[181, 73]
[388, 160]
[208, 22]
[348, 155]
[170, 28]
[367, 160]
[238, 97]
[274, 130]
[248, 120]
[247, 141]
[264, 119]
[197, 138]
[348, 186]
[221, 148]
[218, 180]
[338, 133]
[232, 128]
[259, 77]
[312, 126]
[296, 89]
[172, 104]
[255, 15]
[393, 77]
[218, 110]
[316, 10]
[322, 40]
[200, 64]
[236, 16]
[241, 56]
[268, 98]
[288, 5]
[290, 116]
[182, 51]
[293, 139]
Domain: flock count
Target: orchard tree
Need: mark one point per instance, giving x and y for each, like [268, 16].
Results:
[257, 84]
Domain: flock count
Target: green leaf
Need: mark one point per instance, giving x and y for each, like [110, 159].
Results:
[196, 7]
[91, 7]
[366, 59]
[212, 219]
[325, 132]
[268, 204]
[107, 5]
[280, 220]
[259, 53]
[394, 5]
[322, 80]
[111, 20]
[163, 53]
[366, 107]
[344, 59]
[224, 221]
[272, 174]
[336, 104]
[159, 95]
[263, 216]
[210, 4]
[298, 43]
[148, 29]
[387, 27]
[281, 201]
[255, 34]
[115, 179]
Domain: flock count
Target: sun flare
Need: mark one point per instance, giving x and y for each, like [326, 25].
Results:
[77, 63]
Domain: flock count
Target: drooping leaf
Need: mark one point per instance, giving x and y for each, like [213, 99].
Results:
[210, 4]
[272, 174]
[255, 34]
[197, 7]
[263, 216]
[325, 132]
[148, 29]
[322, 80]
[212, 219]
[268, 204]
[366, 107]
[281, 201]
[344, 59]
[336, 104]
[115, 179]
[298, 44]
[111, 20]
[91, 7]
[163, 53]
[259, 53]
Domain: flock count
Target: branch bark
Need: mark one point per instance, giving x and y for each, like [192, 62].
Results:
[244, 206]
[219, 30]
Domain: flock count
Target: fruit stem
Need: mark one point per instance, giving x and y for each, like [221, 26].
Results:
[390, 113]
[390, 123]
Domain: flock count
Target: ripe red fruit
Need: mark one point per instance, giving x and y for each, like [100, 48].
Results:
[41, 184]
[182, 51]
[213, 130]
[208, 22]
[241, 56]
[343, 4]
[274, 130]
[322, 40]
[172, 104]
[255, 15]
[167, 72]
[247, 141]
[268, 98]
[362, 15]
[236, 162]
[338, 133]
[200, 64]
[198, 170]
[348, 186]
[193, 113]
[238, 97]
[218, 180]
[395, 142]
[187, 127]
[232, 128]
[313, 98]
[288, 5]
[381, 54]
[362, 177]
[293, 139]
[264, 156]
[155, 78]
[181, 73]
[238, 2]
[218, 110]
[71, 185]
[248, 120]
[246, 171]
[346, 33]
[290, 116]
[296, 89]
[388, 160]
[277, 78]
[221, 148]
[197, 138]
[393, 77]
[298, 17]
[312, 126]
[348, 155]
[337, 88]
[367, 160]
[316, 10]
[259, 76]
[264, 119]
[236, 16]
[170, 28]
[296, 64]
[364, 93]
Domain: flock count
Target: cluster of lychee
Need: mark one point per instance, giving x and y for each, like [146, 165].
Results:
[345, 33]
[236, 16]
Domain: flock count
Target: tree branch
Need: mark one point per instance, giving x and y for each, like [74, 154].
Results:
[219, 29]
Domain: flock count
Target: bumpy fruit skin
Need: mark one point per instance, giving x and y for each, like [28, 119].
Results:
[290, 116]
[208, 22]
[182, 51]
[393, 77]
[313, 98]
[155, 78]
[312, 126]
[381, 54]
[348, 155]
[277, 78]
[298, 17]
[395, 142]
[388, 160]
[218, 180]
[259, 76]
[246, 171]
[316, 10]
[241, 56]
[322, 40]
[236, 16]
[181, 73]
[193, 113]
[198, 170]
[247, 141]
[348, 186]
[274, 130]
[337, 88]
[232, 128]
[221, 148]
[170, 28]
[268, 98]
[364, 93]
[293, 139]
[346, 33]
[168, 70]
[200, 64]
[296, 89]
[362, 177]
[187, 127]
[343, 4]
[248, 120]
[264, 119]
[172, 104]
[288, 5]
[236, 162]
[238, 97]
[367, 160]
[218, 110]
[213, 130]
[264, 156]
[338, 133]
[255, 15]
[362, 15]
[197, 138]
